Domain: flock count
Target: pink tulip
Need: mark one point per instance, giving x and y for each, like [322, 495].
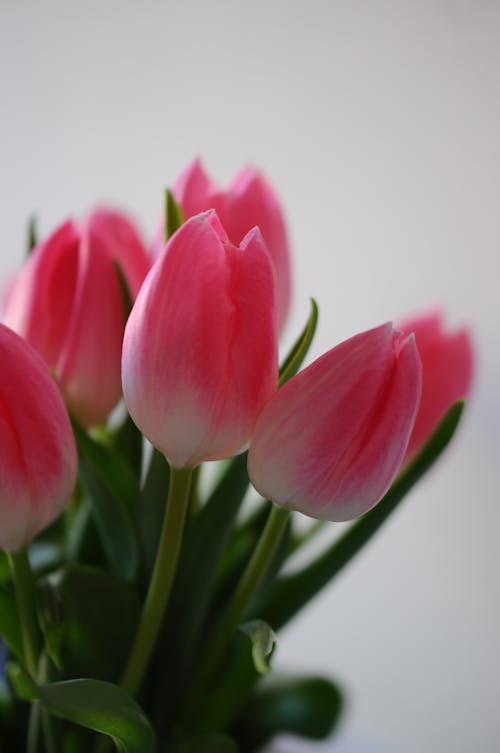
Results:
[248, 201]
[67, 303]
[331, 440]
[38, 458]
[447, 360]
[200, 348]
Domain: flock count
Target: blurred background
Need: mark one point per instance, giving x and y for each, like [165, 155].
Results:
[379, 125]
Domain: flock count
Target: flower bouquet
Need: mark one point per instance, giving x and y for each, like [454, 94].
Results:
[140, 596]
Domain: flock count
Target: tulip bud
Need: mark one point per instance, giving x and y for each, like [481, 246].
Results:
[447, 362]
[38, 461]
[249, 201]
[200, 348]
[67, 303]
[331, 440]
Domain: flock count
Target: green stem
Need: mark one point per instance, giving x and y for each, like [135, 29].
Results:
[26, 606]
[246, 589]
[161, 580]
[33, 728]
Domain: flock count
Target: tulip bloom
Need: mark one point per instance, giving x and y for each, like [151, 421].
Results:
[38, 461]
[249, 201]
[447, 361]
[200, 349]
[67, 303]
[331, 440]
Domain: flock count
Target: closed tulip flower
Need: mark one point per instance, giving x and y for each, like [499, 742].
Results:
[38, 456]
[332, 439]
[68, 304]
[200, 348]
[248, 201]
[447, 361]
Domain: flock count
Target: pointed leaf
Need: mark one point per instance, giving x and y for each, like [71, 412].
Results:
[309, 707]
[21, 682]
[113, 490]
[10, 626]
[238, 552]
[294, 359]
[127, 299]
[263, 644]
[110, 467]
[230, 691]
[128, 442]
[5, 574]
[174, 216]
[102, 707]
[151, 510]
[89, 619]
[289, 594]
[204, 543]
[31, 234]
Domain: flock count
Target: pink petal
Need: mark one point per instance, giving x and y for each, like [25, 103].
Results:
[331, 440]
[121, 239]
[184, 339]
[447, 359]
[88, 366]
[38, 461]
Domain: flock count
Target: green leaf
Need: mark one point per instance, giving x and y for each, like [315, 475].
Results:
[238, 552]
[89, 619]
[31, 235]
[21, 682]
[231, 689]
[295, 358]
[309, 707]
[151, 510]
[127, 441]
[263, 641]
[113, 489]
[5, 574]
[127, 298]
[192, 743]
[289, 594]
[203, 544]
[10, 626]
[102, 707]
[174, 216]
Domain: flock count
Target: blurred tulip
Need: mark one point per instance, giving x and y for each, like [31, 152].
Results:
[67, 303]
[249, 201]
[200, 348]
[447, 361]
[331, 440]
[38, 460]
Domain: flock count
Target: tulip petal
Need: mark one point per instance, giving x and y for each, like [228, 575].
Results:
[38, 460]
[88, 367]
[447, 359]
[193, 188]
[371, 472]
[249, 201]
[118, 235]
[41, 297]
[252, 201]
[331, 440]
[189, 380]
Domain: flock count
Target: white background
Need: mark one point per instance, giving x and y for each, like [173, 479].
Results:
[379, 125]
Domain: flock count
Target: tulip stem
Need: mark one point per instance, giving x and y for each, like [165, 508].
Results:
[252, 578]
[24, 586]
[162, 579]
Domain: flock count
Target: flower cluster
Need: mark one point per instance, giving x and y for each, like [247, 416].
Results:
[188, 333]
